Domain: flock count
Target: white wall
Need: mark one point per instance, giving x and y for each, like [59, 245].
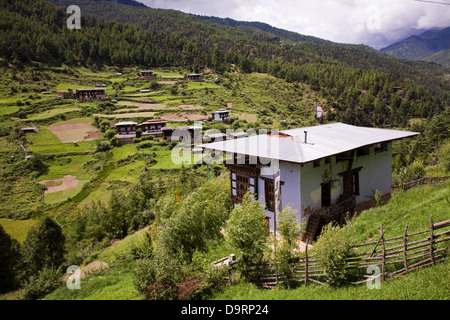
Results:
[376, 173]
[290, 190]
[302, 184]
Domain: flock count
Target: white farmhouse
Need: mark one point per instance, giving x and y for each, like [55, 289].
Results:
[325, 171]
[221, 115]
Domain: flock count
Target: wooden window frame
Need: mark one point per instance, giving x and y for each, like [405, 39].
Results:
[240, 184]
[269, 194]
[325, 186]
[354, 180]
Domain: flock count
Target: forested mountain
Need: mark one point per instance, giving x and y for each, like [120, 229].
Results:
[255, 26]
[422, 46]
[361, 85]
[441, 57]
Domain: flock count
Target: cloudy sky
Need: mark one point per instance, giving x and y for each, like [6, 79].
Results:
[377, 23]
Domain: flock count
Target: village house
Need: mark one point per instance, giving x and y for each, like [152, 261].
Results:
[189, 134]
[66, 94]
[325, 172]
[238, 135]
[194, 77]
[83, 95]
[148, 74]
[126, 131]
[152, 127]
[221, 115]
[32, 129]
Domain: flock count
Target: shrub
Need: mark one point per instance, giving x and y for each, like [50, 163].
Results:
[290, 232]
[103, 146]
[155, 277]
[246, 231]
[198, 220]
[41, 284]
[377, 195]
[332, 250]
[444, 155]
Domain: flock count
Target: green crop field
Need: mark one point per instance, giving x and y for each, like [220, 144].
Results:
[17, 229]
[47, 143]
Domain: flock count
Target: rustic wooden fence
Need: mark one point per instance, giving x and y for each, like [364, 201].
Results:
[424, 180]
[388, 256]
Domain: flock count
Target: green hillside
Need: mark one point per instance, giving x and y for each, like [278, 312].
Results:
[110, 201]
[404, 208]
[441, 57]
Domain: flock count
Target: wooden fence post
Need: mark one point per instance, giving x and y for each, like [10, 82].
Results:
[306, 263]
[405, 243]
[383, 255]
[431, 239]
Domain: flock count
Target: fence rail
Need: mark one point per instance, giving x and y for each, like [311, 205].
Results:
[424, 180]
[393, 256]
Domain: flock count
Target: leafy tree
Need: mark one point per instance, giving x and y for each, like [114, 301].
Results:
[290, 231]
[10, 258]
[332, 250]
[246, 231]
[444, 155]
[41, 284]
[198, 220]
[43, 247]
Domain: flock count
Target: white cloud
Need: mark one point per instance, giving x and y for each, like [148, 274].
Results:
[377, 23]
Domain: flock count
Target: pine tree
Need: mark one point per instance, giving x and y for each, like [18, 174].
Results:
[43, 247]
[9, 257]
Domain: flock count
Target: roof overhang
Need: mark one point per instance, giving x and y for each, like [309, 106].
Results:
[321, 142]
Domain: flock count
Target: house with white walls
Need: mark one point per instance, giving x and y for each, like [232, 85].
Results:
[221, 115]
[323, 172]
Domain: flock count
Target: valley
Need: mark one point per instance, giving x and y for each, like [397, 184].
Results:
[159, 224]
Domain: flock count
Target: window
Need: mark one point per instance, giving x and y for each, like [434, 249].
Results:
[363, 151]
[316, 163]
[380, 147]
[240, 184]
[326, 194]
[351, 182]
[269, 194]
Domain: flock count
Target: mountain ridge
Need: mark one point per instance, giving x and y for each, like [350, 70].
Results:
[422, 46]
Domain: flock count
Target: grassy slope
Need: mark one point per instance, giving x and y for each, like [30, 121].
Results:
[428, 283]
[412, 207]
[423, 284]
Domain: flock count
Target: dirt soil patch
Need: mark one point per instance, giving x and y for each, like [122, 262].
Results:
[167, 82]
[184, 116]
[141, 106]
[54, 186]
[75, 132]
[187, 107]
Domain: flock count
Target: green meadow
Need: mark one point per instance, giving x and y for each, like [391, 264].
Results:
[431, 283]
[17, 229]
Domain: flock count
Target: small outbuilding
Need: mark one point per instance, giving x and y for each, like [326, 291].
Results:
[126, 131]
[221, 115]
[194, 77]
[87, 95]
[152, 127]
[148, 74]
[66, 94]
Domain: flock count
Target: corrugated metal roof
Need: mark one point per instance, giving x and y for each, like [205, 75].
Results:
[322, 141]
[126, 123]
[221, 111]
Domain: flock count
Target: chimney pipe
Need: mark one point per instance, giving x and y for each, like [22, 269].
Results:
[306, 136]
